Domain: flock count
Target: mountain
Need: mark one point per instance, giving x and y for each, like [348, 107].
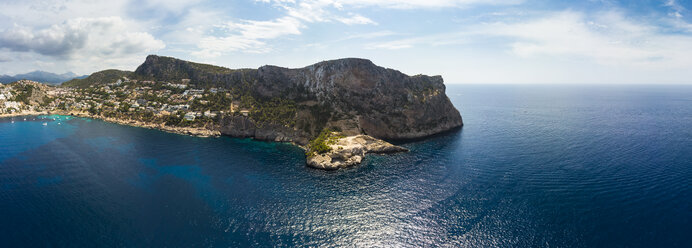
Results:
[7, 79]
[351, 95]
[40, 76]
[101, 77]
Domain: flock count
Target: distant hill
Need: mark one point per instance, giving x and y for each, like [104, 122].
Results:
[172, 69]
[7, 79]
[41, 76]
[101, 77]
[160, 68]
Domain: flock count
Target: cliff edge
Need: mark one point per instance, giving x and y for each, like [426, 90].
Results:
[348, 97]
[351, 95]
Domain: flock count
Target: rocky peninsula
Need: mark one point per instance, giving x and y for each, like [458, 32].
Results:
[348, 151]
[338, 110]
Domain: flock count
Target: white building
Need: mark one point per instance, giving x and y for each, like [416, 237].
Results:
[189, 116]
[11, 104]
[209, 114]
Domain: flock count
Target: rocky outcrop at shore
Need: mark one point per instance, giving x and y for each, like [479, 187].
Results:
[349, 151]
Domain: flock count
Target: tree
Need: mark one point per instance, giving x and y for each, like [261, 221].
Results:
[124, 107]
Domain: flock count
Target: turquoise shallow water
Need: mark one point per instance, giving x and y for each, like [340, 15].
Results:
[547, 166]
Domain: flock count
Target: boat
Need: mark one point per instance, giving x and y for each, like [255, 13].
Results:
[45, 124]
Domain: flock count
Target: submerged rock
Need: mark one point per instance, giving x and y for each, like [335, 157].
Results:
[349, 151]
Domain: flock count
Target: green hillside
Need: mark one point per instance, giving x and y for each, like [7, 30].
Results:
[102, 77]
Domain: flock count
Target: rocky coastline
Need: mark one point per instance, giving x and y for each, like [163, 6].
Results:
[337, 110]
[24, 113]
[191, 131]
[349, 151]
[345, 151]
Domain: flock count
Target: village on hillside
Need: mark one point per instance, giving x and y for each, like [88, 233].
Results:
[162, 103]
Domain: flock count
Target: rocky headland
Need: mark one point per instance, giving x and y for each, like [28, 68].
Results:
[350, 103]
[348, 151]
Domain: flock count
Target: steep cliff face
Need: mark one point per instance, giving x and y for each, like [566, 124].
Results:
[241, 126]
[351, 95]
[384, 103]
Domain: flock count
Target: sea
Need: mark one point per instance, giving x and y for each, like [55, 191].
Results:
[533, 166]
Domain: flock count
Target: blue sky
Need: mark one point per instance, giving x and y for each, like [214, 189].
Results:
[465, 41]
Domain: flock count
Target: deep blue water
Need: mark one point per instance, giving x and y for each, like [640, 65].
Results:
[534, 166]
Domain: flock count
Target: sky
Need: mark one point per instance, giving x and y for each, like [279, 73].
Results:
[465, 41]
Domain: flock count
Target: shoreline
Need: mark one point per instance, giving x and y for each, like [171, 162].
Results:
[346, 152]
[190, 131]
[28, 113]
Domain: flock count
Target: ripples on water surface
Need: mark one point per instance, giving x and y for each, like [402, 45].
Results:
[534, 166]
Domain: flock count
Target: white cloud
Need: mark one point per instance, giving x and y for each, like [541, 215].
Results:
[320, 11]
[548, 47]
[301, 12]
[391, 45]
[370, 35]
[445, 39]
[607, 38]
[106, 36]
[266, 29]
[677, 13]
[397, 4]
[174, 6]
[519, 41]
[247, 36]
[676, 8]
[410, 4]
[5, 58]
[355, 19]
[217, 46]
[76, 35]
[82, 45]
[251, 36]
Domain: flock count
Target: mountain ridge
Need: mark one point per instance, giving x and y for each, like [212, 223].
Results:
[41, 76]
[100, 77]
[352, 95]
